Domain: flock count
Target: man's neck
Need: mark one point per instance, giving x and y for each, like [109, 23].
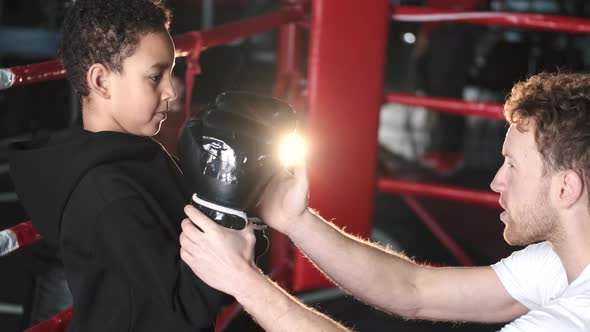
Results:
[573, 249]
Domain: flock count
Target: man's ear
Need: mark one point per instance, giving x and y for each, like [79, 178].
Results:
[571, 188]
[98, 77]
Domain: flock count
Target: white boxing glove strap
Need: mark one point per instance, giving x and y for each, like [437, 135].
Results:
[223, 209]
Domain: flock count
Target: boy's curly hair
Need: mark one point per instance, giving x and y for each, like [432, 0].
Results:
[107, 32]
[559, 105]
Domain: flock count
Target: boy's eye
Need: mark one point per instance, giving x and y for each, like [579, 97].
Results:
[156, 78]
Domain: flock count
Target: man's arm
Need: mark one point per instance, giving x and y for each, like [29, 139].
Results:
[382, 278]
[223, 258]
[275, 310]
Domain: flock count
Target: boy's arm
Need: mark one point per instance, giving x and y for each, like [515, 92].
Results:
[132, 244]
[223, 258]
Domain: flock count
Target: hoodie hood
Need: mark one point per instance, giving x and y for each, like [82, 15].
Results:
[46, 171]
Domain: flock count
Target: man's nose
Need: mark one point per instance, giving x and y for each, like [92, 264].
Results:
[498, 184]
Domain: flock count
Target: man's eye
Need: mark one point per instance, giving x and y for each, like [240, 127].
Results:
[156, 78]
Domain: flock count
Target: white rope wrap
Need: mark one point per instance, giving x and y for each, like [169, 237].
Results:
[223, 209]
[8, 242]
[445, 16]
[6, 78]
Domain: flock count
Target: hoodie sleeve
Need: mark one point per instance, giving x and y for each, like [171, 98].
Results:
[130, 242]
[118, 239]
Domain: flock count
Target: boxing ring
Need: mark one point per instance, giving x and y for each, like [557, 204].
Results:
[344, 85]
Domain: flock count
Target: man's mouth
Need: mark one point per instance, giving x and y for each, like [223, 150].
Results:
[504, 215]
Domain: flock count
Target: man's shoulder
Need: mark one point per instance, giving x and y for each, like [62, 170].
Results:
[541, 251]
[580, 287]
[543, 246]
[534, 258]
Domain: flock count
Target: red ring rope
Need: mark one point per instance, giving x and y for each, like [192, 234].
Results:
[185, 44]
[507, 19]
[450, 105]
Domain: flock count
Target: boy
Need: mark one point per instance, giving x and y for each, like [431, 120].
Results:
[107, 194]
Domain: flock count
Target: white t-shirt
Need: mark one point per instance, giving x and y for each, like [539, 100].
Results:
[536, 278]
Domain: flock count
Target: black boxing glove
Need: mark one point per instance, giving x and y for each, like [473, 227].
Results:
[229, 152]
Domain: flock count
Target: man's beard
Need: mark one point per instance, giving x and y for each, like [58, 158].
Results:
[532, 222]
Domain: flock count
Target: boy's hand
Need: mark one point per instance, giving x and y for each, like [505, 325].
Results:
[217, 255]
[285, 199]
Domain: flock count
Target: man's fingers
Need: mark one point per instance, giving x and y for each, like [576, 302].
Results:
[192, 212]
[300, 172]
[199, 219]
[186, 256]
[190, 244]
[185, 239]
[190, 229]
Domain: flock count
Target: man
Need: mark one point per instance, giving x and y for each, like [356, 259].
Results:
[543, 187]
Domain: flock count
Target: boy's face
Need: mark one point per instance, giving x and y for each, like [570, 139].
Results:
[141, 92]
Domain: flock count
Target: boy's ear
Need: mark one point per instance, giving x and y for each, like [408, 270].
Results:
[98, 77]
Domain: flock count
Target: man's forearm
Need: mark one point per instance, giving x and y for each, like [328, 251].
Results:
[275, 310]
[380, 278]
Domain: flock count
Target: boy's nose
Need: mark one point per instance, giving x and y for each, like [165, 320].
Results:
[170, 92]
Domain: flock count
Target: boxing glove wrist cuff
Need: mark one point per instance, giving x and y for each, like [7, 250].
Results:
[223, 209]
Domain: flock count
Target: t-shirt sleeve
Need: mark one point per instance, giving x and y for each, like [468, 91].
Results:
[521, 274]
[567, 314]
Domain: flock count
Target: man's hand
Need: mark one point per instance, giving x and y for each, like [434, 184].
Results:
[217, 255]
[223, 258]
[284, 201]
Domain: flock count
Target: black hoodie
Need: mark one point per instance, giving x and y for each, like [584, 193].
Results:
[113, 204]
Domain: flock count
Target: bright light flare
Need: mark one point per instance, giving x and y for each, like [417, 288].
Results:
[292, 150]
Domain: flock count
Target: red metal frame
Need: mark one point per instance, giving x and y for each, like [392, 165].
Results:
[346, 61]
[438, 231]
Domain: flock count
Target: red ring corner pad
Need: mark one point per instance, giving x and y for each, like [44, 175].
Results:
[25, 233]
[18, 236]
[57, 323]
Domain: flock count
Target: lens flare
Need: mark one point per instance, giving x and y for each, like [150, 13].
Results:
[293, 150]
